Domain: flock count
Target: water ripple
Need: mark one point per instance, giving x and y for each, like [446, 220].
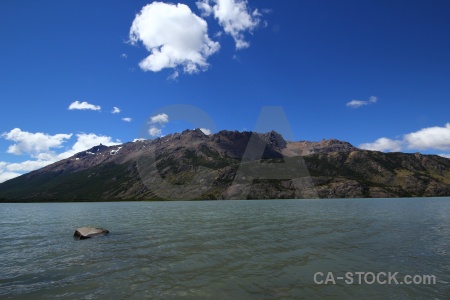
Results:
[223, 249]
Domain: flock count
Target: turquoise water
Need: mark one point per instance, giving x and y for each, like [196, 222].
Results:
[224, 249]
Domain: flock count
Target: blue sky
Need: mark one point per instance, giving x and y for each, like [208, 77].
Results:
[373, 73]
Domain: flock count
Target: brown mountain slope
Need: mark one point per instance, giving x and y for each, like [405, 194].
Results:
[231, 165]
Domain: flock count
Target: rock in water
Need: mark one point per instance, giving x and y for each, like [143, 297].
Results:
[88, 232]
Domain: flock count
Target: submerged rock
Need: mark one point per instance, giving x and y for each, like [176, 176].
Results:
[88, 232]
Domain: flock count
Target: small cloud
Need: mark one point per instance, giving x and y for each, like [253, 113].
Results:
[123, 55]
[444, 155]
[83, 106]
[359, 103]
[174, 76]
[383, 144]
[158, 122]
[153, 131]
[161, 119]
[205, 7]
[127, 119]
[139, 140]
[206, 131]
[256, 13]
[33, 143]
[430, 138]
[115, 110]
[234, 16]
[174, 36]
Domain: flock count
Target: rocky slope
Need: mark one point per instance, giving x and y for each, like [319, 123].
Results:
[231, 165]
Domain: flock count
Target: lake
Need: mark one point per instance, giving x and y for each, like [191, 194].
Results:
[270, 249]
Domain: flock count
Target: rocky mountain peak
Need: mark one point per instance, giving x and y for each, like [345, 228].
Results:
[336, 169]
[98, 148]
[193, 134]
[276, 140]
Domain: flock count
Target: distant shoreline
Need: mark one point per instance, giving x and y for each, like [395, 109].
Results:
[2, 201]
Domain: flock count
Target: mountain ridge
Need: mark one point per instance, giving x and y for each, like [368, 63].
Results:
[231, 165]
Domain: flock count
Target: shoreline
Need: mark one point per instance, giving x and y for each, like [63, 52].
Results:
[5, 201]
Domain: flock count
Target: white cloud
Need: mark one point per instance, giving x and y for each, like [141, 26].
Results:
[356, 103]
[153, 131]
[445, 155]
[161, 119]
[4, 176]
[28, 165]
[41, 147]
[115, 110]
[173, 76]
[206, 131]
[127, 119]
[174, 36]
[83, 106]
[205, 7]
[124, 55]
[36, 145]
[383, 144]
[431, 137]
[33, 143]
[158, 121]
[359, 103]
[234, 16]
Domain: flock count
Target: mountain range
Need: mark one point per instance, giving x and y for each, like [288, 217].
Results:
[231, 165]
